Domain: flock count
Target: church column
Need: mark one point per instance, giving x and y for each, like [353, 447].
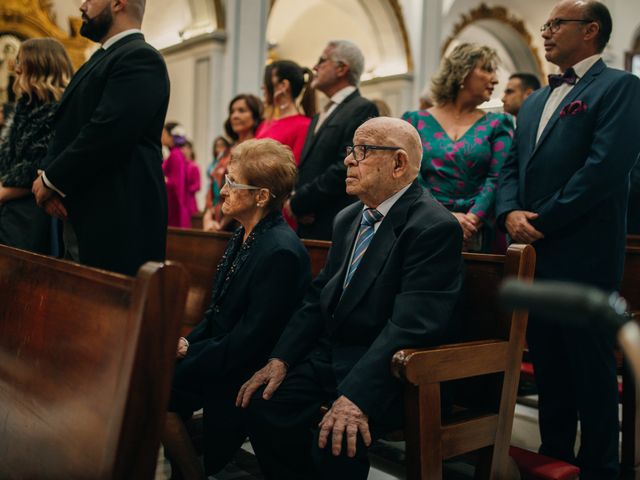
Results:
[427, 51]
[246, 53]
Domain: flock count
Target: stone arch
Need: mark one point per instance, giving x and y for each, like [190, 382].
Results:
[507, 29]
[300, 30]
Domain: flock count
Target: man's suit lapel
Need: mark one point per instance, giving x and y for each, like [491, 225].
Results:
[376, 254]
[308, 141]
[333, 288]
[90, 64]
[591, 74]
[312, 137]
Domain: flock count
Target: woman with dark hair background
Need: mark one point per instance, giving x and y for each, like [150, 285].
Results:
[285, 82]
[245, 114]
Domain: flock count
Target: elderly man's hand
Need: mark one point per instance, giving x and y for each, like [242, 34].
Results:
[40, 190]
[271, 375]
[54, 207]
[344, 416]
[519, 228]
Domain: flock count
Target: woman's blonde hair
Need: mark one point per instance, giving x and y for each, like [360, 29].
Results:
[268, 164]
[46, 70]
[454, 68]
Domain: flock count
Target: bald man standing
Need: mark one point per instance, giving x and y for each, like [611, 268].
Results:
[391, 281]
[103, 171]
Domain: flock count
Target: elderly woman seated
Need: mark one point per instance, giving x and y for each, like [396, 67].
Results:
[260, 280]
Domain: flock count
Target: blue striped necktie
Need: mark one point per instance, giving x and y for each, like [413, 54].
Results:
[370, 216]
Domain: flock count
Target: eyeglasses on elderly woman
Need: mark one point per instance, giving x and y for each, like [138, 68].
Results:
[240, 186]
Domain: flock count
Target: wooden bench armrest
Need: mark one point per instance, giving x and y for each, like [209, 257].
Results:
[450, 362]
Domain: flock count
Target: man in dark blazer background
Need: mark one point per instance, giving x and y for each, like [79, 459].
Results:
[103, 173]
[369, 301]
[319, 193]
[564, 189]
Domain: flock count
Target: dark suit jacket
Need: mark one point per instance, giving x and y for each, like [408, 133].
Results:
[402, 295]
[633, 214]
[234, 340]
[577, 176]
[321, 189]
[106, 156]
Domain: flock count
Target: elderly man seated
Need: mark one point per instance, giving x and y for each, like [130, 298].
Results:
[391, 281]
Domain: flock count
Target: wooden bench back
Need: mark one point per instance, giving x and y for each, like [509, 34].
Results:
[630, 287]
[200, 252]
[85, 366]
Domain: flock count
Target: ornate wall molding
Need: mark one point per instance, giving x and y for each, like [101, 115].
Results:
[34, 18]
[499, 14]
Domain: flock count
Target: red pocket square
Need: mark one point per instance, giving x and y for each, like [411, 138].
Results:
[573, 108]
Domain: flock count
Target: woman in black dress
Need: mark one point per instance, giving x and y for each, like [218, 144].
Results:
[260, 280]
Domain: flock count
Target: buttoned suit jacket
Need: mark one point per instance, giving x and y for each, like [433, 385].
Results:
[576, 177]
[402, 295]
[106, 156]
[320, 189]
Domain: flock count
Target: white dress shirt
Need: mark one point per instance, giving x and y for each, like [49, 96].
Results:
[558, 93]
[383, 208]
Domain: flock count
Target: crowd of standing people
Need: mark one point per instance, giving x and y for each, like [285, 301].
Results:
[83, 176]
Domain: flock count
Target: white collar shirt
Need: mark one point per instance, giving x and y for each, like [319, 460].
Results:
[558, 93]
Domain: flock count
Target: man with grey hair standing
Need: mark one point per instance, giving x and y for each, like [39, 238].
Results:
[319, 193]
[391, 281]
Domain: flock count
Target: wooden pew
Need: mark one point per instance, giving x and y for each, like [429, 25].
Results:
[486, 366]
[200, 252]
[494, 346]
[630, 290]
[86, 358]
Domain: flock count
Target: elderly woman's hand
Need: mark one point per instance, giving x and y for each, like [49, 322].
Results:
[468, 226]
[183, 346]
[271, 375]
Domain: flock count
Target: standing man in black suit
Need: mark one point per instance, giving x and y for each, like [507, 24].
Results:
[103, 174]
[564, 188]
[319, 193]
[391, 281]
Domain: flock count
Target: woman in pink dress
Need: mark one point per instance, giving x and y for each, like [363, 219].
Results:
[285, 82]
[174, 168]
[193, 177]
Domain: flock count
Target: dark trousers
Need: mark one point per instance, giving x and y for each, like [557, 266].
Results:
[575, 372]
[224, 428]
[284, 433]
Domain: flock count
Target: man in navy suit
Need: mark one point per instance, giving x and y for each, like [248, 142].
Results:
[103, 171]
[319, 193]
[564, 189]
[391, 281]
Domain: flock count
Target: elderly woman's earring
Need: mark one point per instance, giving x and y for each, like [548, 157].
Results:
[461, 86]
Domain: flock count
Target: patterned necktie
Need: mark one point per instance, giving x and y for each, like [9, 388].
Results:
[568, 77]
[323, 115]
[370, 216]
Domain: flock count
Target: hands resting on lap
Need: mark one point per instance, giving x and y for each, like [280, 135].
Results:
[344, 416]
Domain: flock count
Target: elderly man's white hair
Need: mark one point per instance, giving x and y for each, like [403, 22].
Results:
[398, 133]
